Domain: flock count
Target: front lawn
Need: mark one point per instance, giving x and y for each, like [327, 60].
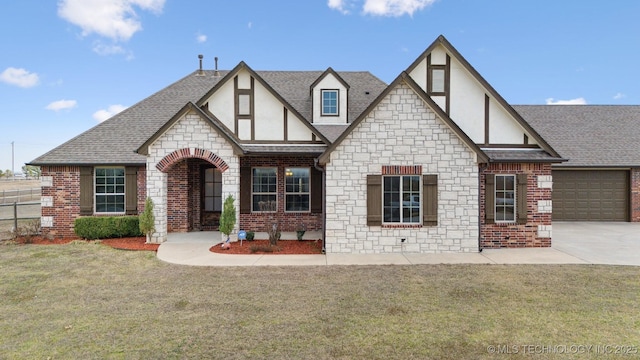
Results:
[86, 301]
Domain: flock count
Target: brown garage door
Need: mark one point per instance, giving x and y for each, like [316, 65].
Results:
[590, 195]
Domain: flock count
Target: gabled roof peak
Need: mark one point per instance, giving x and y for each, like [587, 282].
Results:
[324, 74]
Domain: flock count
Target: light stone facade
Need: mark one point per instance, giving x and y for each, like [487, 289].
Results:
[189, 132]
[402, 130]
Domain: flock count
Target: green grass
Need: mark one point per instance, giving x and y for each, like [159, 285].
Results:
[92, 302]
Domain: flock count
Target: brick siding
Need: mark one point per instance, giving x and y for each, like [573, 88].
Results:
[289, 221]
[65, 193]
[534, 232]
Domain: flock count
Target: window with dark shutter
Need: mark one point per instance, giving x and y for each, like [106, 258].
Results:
[430, 200]
[374, 200]
[131, 190]
[490, 202]
[521, 197]
[245, 190]
[86, 190]
[316, 191]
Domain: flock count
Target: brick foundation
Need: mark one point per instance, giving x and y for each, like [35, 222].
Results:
[288, 221]
[511, 235]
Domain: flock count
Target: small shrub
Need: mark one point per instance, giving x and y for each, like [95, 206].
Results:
[27, 230]
[228, 217]
[147, 219]
[250, 235]
[107, 227]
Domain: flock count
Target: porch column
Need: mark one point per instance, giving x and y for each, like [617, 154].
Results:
[157, 190]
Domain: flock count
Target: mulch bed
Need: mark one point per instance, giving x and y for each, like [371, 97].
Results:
[128, 243]
[284, 247]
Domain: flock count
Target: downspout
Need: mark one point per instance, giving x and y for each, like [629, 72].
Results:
[481, 170]
[324, 204]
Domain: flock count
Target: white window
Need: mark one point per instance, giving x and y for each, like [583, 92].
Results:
[297, 194]
[264, 189]
[505, 198]
[401, 199]
[330, 102]
[244, 104]
[110, 191]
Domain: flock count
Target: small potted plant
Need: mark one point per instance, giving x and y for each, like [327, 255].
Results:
[300, 230]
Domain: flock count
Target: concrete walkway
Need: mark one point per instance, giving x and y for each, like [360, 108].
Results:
[574, 243]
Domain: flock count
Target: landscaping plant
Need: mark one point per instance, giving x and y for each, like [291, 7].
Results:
[228, 217]
[147, 220]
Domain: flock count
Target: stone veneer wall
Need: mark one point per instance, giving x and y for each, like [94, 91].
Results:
[288, 221]
[189, 133]
[402, 130]
[537, 231]
[635, 194]
[61, 199]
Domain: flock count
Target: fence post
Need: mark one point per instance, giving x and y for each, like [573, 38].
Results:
[15, 217]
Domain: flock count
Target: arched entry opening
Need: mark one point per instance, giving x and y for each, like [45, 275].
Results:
[194, 189]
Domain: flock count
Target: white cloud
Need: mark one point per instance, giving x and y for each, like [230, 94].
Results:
[62, 105]
[104, 114]
[102, 49]
[201, 38]
[19, 77]
[395, 7]
[114, 19]
[619, 96]
[339, 5]
[576, 101]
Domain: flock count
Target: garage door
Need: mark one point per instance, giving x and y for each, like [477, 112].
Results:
[590, 195]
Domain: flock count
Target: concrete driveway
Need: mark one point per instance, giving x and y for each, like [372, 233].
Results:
[615, 243]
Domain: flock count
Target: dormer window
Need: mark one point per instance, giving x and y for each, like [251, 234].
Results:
[330, 102]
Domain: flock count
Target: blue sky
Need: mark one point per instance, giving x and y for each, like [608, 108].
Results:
[68, 64]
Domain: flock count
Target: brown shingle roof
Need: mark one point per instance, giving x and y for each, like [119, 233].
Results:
[116, 140]
[589, 135]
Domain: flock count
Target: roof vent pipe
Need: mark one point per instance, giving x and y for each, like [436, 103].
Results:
[216, 73]
[200, 71]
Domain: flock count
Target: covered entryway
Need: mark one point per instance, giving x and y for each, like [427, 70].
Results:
[590, 195]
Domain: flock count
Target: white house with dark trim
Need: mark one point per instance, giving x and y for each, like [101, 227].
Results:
[436, 161]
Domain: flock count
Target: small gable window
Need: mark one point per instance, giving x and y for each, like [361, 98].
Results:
[330, 102]
[437, 80]
[109, 190]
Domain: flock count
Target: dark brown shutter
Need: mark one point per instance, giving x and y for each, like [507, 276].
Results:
[316, 191]
[490, 198]
[374, 200]
[430, 201]
[131, 190]
[245, 190]
[521, 195]
[86, 190]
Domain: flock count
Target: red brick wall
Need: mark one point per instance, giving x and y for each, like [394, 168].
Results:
[66, 198]
[517, 235]
[635, 194]
[288, 221]
[178, 198]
